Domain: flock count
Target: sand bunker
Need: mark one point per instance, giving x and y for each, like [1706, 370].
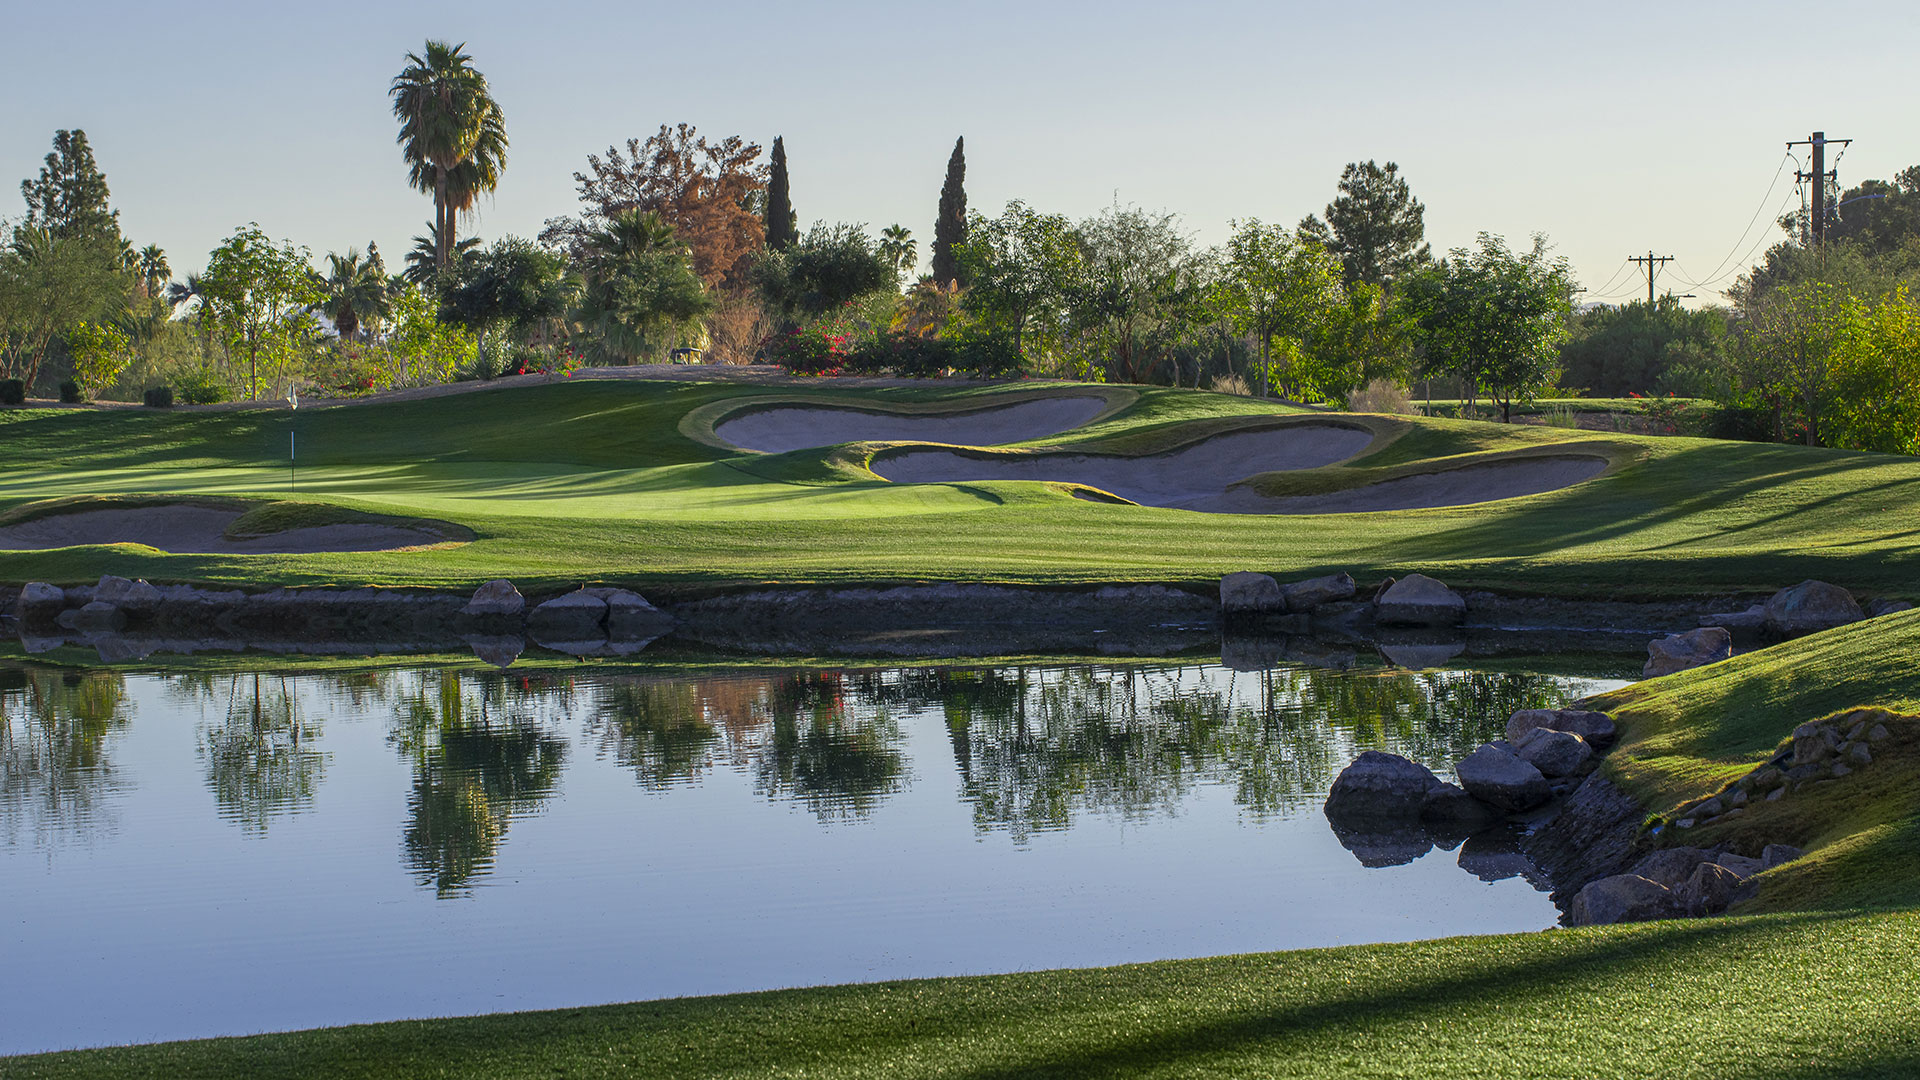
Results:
[780, 428]
[1208, 476]
[1191, 478]
[199, 530]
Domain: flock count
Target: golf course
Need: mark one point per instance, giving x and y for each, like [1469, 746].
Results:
[656, 485]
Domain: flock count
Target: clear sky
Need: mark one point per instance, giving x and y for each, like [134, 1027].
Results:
[1613, 129]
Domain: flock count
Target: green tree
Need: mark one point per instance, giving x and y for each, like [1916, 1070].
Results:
[452, 134]
[356, 291]
[782, 225]
[513, 286]
[1276, 286]
[1375, 227]
[1783, 353]
[1135, 293]
[99, 353]
[640, 286]
[1493, 317]
[259, 294]
[1874, 380]
[827, 269]
[424, 349]
[898, 246]
[69, 199]
[423, 259]
[154, 272]
[1613, 351]
[950, 224]
[1023, 266]
[49, 282]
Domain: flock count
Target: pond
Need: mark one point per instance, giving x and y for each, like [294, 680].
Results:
[193, 854]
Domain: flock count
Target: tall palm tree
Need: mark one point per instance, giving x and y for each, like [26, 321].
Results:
[899, 248]
[356, 293]
[448, 120]
[154, 271]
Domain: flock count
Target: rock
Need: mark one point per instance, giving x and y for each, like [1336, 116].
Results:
[1743, 866]
[1499, 777]
[1449, 808]
[1754, 618]
[630, 616]
[572, 616]
[1860, 755]
[1776, 794]
[1621, 898]
[98, 615]
[1554, 753]
[1710, 809]
[1840, 769]
[1692, 649]
[1671, 866]
[1778, 854]
[134, 596]
[1247, 595]
[1736, 798]
[1878, 734]
[40, 600]
[1811, 606]
[496, 599]
[1380, 590]
[1708, 891]
[1379, 785]
[1594, 727]
[1812, 743]
[1309, 594]
[1884, 606]
[500, 651]
[1418, 600]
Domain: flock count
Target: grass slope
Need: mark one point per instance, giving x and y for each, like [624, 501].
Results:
[598, 481]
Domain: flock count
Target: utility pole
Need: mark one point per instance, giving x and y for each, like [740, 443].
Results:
[1653, 263]
[1819, 175]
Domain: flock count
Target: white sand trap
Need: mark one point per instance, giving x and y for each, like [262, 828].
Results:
[1455, 487]
[780, 428]
[198, 530]
[1192, 477]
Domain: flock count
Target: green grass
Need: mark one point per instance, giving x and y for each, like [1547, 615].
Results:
[598, 481]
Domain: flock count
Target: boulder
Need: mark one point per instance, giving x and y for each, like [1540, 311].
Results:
[1595, 727]
[97, 615]
[1621, 898]
[629, 615]
[1884, 606]
[40, 600]
[1379, 785]
[1752, 618]
[134, 596]
[1448, 808]
[1742, 866]
[1692, 649]
[1310, 594]
[571, 616]
[500, 651]
[1814, 742]
[1554, 753]
[1418, 600]
[1777, 854]
[1247, 595]
[1811, 606]
[1708, 891]
[1671, 866]
[496, 599]
[1500, 778]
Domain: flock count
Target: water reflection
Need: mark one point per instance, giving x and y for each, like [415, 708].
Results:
[260, 757]
[480, 758]
[56, 767]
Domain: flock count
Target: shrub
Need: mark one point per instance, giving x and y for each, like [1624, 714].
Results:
[13, 392]
[1230, 384]
[901, 354]
[1380, 396]
[70, 393]
[808, 352]
[200, 386]
[989, 357]
[158, 397]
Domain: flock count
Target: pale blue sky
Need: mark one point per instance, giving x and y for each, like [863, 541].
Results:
[1610, 129]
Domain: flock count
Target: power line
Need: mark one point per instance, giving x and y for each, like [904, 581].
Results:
[1774, 183]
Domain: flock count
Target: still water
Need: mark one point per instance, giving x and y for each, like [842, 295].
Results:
[192, 855]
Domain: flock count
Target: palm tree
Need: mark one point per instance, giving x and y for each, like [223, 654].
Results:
[356, 293]
[899, 248]
[640, 285]
[153, 269]
[452, 134]
[423, 262]
[182, 293]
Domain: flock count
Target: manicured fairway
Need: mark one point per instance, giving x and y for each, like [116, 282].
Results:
[598, 480]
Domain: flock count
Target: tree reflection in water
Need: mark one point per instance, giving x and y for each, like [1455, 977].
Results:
[56, 774]
[260, 760]
[480, 758]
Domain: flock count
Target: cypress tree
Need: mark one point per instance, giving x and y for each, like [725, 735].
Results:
[783, 228]
[950, 227]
